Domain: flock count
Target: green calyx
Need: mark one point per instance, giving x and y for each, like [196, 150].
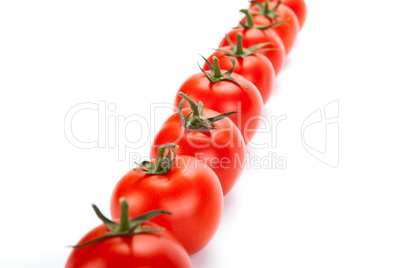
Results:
[249, 23]
[163, 164]
[127, 226]
[264, 10]
[216, 74]
[195, 119]
[240, 52]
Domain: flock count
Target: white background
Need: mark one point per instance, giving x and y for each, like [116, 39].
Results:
[57, 54]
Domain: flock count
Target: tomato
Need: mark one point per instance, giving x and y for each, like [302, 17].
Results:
[134, 243]
[185, 186]
[256, 34]
[297, 6]
[269, 13]
[205, 136]
[249, 63]
[226, 93]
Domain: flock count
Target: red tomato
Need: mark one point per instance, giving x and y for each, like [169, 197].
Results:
[253, 36]
[254, 67]
[274, 13]
[297, 6]
[148, 249]
[190, 190]
[227, 96]
[222, 147]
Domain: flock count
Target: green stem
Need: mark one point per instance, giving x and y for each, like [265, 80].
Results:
[124, 218]
[163, 164]
[239, 48]
[197, 121]
[216, 74]
[249, 19]
[127, 226]
[217, 69]
[249, 24]
[239, 51]
[159, 159]
[266, 8]
[194, 106]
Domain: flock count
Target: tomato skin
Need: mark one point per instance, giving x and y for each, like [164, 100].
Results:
[155, 249]
[297, 6]
[256, 68]
[253, 37]
[210, 146]
[190, 190]
[227, 96]
[287, 31]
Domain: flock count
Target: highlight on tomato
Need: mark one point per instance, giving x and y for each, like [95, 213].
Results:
[249, 63]
[133, 243]
[181, 184]
[208, 136]
[257, 34]
[226, 92]
[268, 13]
